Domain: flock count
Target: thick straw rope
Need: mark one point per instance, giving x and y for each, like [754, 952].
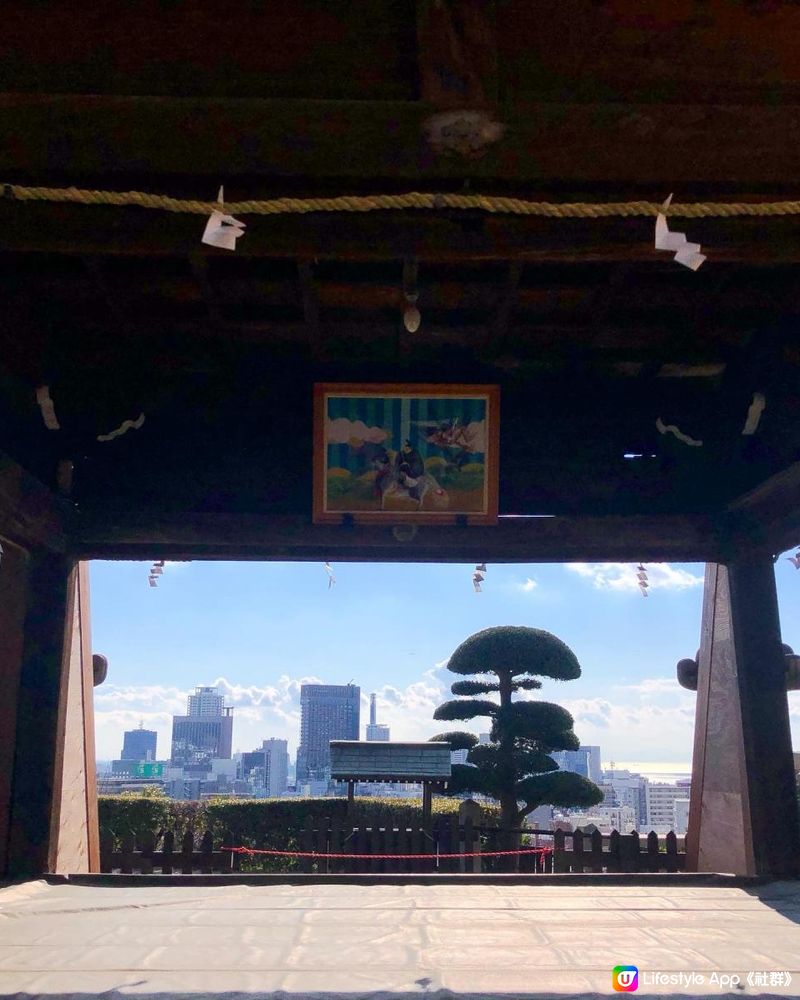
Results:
[398, 202]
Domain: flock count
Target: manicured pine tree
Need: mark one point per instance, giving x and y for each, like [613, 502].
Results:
[516, 767]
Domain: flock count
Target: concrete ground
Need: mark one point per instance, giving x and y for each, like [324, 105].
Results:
[398, 940]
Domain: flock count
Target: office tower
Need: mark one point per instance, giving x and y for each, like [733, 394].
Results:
[276, 766]
[204, 733]
[661, 798]
[680, 817]
[576, 761]
[327, 712]
[630, 790]
[266, 769]
[375, 731]
[206, 701]
[595, 767]
[139, 744]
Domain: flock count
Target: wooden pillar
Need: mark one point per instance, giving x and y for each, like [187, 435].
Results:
[427, 797]
[75, 844]
[743, 814]
[33, 808]
[14, 566]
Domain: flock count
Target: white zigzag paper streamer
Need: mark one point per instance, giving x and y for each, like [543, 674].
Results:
[663, 428]
[47, 408]
[123, 428]
[754, 412]
[686, 253]
[222, 230]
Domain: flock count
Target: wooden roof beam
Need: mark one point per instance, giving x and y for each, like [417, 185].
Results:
[200, 140]
[31, 516]
[769, 515]
[513, 540]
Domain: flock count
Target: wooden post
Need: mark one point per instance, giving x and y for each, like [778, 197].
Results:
[743, 812]
[13, 601]
[426, 804]
[74, 846]
[35, 795]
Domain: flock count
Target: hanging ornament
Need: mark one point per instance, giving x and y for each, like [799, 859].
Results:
[478, 577]
[411, 314]
[331, 577]
[123, 428]
[795, 559]
[222, 230]
[156, 570]
[754, 412]
[48, 410]
[686, 253]
[641, 575]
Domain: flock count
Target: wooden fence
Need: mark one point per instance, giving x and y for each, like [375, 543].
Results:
[334, 843]
[616, 852]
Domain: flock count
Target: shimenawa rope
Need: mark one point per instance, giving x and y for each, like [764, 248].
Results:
[413, 200]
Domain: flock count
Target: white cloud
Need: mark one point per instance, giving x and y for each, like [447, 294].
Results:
[652, 719]
[643, 731]
[622, 576]
[259, 712]
[653, 687]
[528, 586]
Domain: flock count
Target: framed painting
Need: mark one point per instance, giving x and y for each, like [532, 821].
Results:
[393, 453]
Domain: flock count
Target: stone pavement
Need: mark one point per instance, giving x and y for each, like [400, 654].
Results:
[396, 940]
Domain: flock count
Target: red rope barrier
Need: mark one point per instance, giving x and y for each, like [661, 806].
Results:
[543, 851]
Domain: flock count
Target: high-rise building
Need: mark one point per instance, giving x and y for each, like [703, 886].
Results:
[661, 798]
[206, 701]
[139, 744]
[204, 733]
[680, 817]
[275, 754]
[576, 761]
[595, 767]
[327, 712]
[266, 769]
[375, 731]
[630, 789]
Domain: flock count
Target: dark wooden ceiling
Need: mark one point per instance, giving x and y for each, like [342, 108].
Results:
[591, 334]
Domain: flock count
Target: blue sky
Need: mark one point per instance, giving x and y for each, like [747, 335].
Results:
[260, 629]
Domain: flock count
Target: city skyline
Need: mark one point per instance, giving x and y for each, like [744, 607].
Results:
[259, 631]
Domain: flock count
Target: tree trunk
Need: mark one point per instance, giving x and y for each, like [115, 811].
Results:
[509, 810]
[509, 841]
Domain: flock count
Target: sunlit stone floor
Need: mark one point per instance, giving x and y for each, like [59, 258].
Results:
[380, 941]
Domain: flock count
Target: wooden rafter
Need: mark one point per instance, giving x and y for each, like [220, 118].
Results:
[293, 537]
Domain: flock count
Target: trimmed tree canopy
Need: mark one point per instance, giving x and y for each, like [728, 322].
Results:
[466, 708]
[515, 767]
[458, 740]
[515, 649]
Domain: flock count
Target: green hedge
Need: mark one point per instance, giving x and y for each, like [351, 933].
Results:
[259, 823]
[255, 820]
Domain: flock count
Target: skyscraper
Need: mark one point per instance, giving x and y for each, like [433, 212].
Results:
[585, 760]
[139, 744]
[204, 733]
[206, 701]
[375, 731]
[267, 768]
[327, 712]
